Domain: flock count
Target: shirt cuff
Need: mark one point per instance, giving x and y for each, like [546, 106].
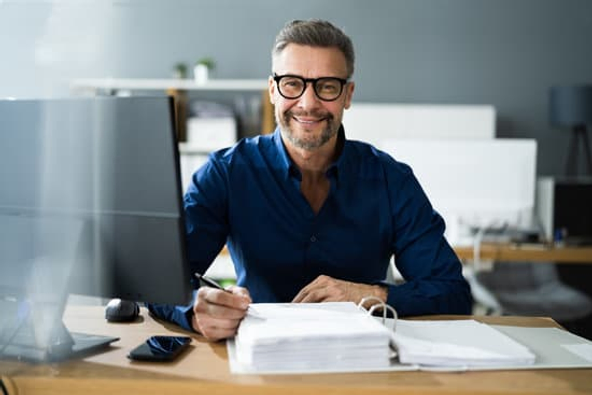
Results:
[180, 315]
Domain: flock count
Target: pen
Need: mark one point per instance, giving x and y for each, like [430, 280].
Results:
[208, 281]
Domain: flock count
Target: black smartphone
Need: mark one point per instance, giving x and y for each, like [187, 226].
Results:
[160, 348]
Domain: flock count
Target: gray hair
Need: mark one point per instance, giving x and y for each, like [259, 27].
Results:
[315, 33]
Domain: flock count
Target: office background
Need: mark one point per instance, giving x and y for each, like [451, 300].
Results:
[501, 52]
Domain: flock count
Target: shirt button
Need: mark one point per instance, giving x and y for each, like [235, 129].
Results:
[313, 239]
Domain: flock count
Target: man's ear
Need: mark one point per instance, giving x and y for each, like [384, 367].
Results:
[349, 93]
[271, 90]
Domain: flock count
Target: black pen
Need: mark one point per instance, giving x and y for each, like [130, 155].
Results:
[208, 281]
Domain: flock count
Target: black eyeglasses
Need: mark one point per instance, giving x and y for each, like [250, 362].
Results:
[293, 86]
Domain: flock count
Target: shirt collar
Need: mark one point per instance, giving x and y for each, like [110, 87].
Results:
[290, 169]
[285, 163]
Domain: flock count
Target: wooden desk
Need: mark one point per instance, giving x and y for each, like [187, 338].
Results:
[528, 253]
[204, 370]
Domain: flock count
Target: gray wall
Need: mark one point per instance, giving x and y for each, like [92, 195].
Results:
[501, 52]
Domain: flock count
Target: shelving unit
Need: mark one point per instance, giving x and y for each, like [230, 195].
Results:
[179, 88]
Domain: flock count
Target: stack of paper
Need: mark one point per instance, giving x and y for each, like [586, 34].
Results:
[311, 337]
[457, 343]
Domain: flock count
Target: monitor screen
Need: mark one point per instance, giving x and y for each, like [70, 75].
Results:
[474, 184]
[91, 200]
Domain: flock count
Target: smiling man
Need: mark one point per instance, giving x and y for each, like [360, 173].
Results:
[309, 216]
[310, 119]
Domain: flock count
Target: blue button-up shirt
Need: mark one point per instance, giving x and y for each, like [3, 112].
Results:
[248, 197]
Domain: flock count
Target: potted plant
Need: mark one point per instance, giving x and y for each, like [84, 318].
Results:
[180, 70]
[202, 69]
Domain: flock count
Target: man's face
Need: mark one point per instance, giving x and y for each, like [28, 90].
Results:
[309, 122]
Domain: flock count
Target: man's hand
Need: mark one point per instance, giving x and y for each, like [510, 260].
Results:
[217, 313]
[329, 289]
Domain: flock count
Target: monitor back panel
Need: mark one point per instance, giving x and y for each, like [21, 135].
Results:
[91, 198]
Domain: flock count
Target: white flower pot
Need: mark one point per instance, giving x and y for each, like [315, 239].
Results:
[200, 73]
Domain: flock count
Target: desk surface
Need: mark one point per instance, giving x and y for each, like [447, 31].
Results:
[528, 253]
[204, 370]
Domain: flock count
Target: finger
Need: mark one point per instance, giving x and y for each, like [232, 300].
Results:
[317, 296]
[208, 302]
[240, 291]
[215, 330]
[310, 287]
[220, 334]
[214, 323]
[312, 294]
[218, 311]
[224, 312]
[301, 295]
[327, 289]
[310, 297]
[224, 298]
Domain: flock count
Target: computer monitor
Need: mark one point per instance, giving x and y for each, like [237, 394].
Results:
[90, 203]
[366, 122]
[474, 184]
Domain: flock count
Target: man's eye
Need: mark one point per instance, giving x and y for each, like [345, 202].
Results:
[292, 83]
[329, 88]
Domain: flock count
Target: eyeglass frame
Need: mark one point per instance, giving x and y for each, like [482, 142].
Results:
[313, 81]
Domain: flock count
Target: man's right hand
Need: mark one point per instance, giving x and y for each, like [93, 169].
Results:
[217, 313]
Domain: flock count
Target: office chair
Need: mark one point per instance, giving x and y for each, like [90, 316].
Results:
[534, 289]
[524, 288]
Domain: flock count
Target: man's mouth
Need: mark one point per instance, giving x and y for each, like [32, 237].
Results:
[308, 121]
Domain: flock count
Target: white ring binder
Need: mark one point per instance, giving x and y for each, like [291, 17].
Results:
[333, 337]
[385, 310]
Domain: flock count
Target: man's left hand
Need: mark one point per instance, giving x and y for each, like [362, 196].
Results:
[329, 289]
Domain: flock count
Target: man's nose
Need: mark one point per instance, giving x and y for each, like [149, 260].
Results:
[309, 98]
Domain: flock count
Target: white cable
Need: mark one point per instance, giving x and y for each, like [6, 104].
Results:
[480, 293]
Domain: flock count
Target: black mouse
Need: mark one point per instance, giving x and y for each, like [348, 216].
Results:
[119, 310]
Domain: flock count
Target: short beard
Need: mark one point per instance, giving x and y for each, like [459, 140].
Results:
[309, 145]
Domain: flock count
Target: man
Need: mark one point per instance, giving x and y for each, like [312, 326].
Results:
[309, 216]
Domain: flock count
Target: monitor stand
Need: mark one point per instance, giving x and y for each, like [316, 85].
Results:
[68, 345]
[25, 339]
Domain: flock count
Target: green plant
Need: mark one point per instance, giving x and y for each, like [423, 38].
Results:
[180, 70]
[208, 62]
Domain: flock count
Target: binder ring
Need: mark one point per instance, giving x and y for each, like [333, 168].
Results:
[380, 304]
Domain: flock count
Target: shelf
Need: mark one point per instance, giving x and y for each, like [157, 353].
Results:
[178, 88]
[186, 149]
[93, 84]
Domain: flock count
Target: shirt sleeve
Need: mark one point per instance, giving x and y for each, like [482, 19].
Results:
[206, 221]
[434, 283]
[206, 231]
[179, 315]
